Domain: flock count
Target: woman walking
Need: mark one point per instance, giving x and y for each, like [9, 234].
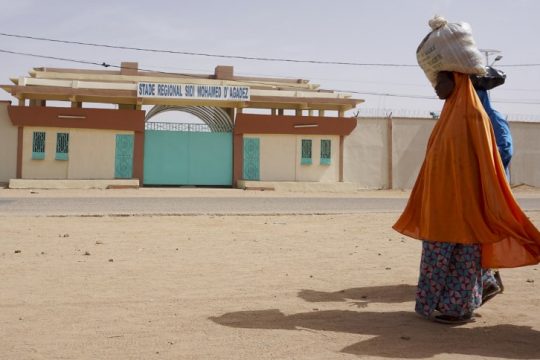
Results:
[461, 206]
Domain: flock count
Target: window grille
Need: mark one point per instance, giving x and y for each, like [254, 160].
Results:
[62, 146]
[38, 145]
[325, 152]
[306, 152]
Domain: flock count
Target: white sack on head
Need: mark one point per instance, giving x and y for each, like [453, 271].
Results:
[449, 47]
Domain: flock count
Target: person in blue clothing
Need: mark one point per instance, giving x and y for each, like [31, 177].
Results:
[503, 137]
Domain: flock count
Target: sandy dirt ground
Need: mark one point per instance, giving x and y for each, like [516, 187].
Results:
[237, 287]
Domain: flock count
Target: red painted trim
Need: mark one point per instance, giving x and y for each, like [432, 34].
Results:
[77, 118]
[304, 125]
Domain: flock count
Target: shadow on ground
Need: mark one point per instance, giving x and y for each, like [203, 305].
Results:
[397, 334]
[362, 296]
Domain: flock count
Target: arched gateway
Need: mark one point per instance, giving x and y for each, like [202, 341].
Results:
[296, 135]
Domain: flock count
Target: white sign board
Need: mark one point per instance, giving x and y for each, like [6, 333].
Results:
[193, 91]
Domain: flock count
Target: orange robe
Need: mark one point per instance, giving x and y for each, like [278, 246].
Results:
[461, 194]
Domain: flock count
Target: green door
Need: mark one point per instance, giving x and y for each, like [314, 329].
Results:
[251, 159]
[123, 164]
[187, 158]
[210, 160]
[165, 158]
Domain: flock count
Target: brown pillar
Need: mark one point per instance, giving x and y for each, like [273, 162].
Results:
[35, 102]
[238, 163]
[129, 68]
[138, 157]
[223, 72]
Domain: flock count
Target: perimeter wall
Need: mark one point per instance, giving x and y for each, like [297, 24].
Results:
[383, 153]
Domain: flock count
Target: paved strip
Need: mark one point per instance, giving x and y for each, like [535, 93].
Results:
[71, 206]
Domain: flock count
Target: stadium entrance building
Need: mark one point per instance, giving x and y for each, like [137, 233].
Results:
[295, 134]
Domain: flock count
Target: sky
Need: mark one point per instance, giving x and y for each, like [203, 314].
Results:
[356, 31]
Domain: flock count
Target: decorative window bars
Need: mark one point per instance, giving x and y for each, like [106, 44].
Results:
[326, 155]
[306, 152]
[163, 126]
[62, 146]
[38, 145]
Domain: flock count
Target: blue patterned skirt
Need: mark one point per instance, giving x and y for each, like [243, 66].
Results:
[451, 279]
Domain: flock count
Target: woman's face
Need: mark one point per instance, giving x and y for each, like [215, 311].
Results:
[445, 84]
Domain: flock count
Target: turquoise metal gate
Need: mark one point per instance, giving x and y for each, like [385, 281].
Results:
[187, 154]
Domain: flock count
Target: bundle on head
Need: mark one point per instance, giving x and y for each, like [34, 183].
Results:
[449, 47]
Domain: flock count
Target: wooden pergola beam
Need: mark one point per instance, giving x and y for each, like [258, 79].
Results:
[130, 97]
[111, 77]
[120, 87]
[168, 75]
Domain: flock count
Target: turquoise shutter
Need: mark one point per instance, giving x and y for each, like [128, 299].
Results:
[251, 159]
[123, 166]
